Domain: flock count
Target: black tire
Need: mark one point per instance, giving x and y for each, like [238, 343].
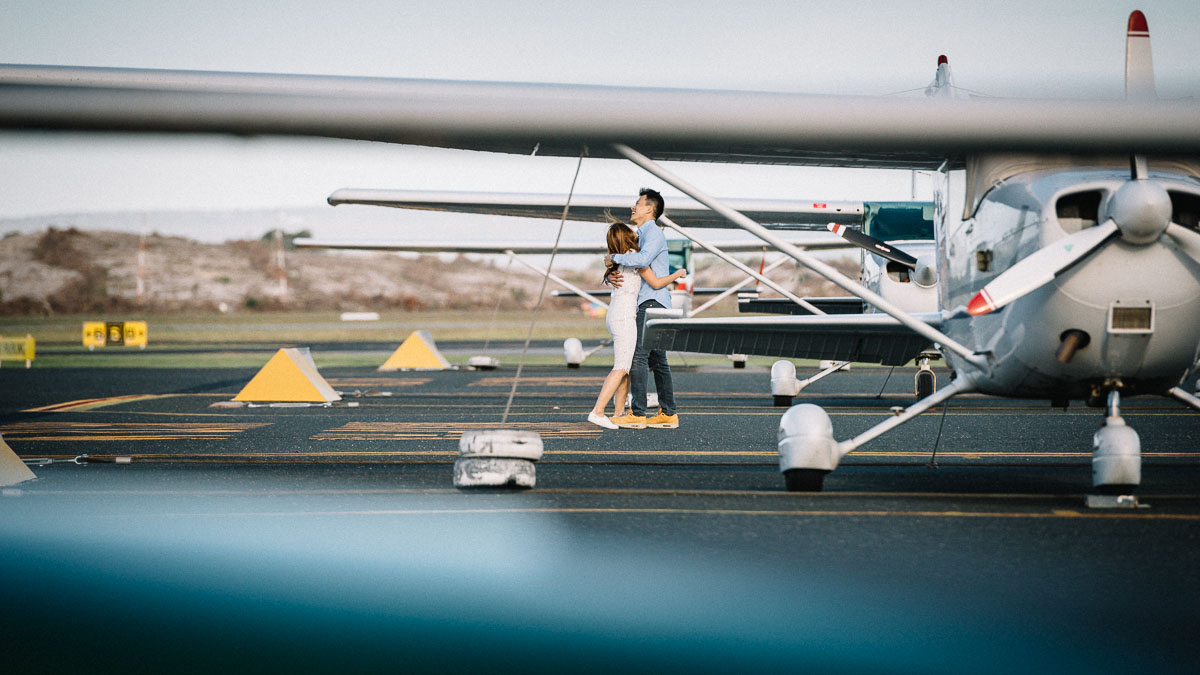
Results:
[783, 401]
[804, 480]
[739, 364]
[573, 365]
[1116, 489]
[926, 384]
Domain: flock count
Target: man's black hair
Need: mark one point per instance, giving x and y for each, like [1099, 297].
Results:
[654, 198]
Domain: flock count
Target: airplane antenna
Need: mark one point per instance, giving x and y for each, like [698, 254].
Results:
[542, 294]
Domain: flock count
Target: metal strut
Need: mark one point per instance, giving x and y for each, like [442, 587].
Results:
[732, 261]
[925, 330]
[733, 289]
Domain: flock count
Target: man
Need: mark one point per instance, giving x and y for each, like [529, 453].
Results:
[653, 254]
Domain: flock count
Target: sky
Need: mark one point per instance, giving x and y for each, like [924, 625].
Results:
[1043, 48]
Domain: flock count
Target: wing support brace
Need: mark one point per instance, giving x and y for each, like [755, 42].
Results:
[732, 289]
[1185, 397]
[558, 280]
[729, 259]
[809, 261]
[958, 386]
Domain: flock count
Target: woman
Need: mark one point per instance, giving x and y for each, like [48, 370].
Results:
[622, 324]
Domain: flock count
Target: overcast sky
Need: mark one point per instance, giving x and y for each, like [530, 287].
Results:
[1043, 48]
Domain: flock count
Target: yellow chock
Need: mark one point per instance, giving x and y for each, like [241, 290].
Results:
[12, 469]
[418, 352]
[290, 376]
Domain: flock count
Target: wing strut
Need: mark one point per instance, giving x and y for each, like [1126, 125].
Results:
[557, 279]
[919, 327]
[729, 259]
[732, 289]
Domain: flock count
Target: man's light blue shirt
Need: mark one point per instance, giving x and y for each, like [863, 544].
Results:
[652, 253]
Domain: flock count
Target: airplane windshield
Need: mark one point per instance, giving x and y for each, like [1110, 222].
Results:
[893, 221]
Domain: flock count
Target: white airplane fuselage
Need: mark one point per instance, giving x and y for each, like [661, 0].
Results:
[1135, 307]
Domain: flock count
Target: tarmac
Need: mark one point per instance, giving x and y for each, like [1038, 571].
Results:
[169, 528]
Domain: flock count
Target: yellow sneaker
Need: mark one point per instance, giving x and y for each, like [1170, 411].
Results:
[630, 421]
[661, 421]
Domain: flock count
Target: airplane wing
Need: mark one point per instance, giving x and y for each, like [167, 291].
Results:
[811, 241]
[774, 213]
[574, 120]
[866, 338]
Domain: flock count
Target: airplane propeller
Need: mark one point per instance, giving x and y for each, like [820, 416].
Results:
[1139, 213]
[873, 245]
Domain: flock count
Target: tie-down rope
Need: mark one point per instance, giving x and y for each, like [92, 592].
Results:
[542, 294]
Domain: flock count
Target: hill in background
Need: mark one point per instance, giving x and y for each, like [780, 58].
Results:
[65, 271]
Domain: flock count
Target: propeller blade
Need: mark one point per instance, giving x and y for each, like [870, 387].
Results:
[873, 245]
[1188, 240]
[1040, 268]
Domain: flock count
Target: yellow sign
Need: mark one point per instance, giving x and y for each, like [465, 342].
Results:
[18, 349]
[114, 334]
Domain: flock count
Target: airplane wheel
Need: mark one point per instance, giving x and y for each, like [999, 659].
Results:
[573, 365]
[739, 364]
[804, 480]
[926, 384]
[1116, 489]
[783, 401]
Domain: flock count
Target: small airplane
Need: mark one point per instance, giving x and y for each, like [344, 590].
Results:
[1067, 231]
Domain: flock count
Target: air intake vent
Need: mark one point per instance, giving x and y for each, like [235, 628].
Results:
[1126, 319]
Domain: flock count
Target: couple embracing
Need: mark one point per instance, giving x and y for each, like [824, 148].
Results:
[637, 267]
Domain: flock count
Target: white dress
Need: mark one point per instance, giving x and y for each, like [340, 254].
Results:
[622, 318]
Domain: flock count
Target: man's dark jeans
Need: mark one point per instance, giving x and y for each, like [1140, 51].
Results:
[643, 362]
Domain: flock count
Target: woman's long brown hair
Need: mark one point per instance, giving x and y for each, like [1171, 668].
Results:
[621, 239]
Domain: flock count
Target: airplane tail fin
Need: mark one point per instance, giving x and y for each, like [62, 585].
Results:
[1139, 68]
[943, 82]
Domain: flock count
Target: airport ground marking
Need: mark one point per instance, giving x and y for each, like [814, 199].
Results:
[374, 431]
[1053, 514]
[42, 430]
[378, 382]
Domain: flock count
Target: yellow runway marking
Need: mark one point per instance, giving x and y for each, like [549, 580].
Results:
[124, 431]
[375, 431]
[378, 382]
[93, 403]
[1055, 514]
[596, 382]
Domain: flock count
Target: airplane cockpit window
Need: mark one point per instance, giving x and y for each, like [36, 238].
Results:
[1078, 210]
[899, 220]
[1185, 209]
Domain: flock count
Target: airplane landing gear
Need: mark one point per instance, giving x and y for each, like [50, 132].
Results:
[1116, 452]
[785, 386]
[808, 451]
[926, 381]
[804, 480]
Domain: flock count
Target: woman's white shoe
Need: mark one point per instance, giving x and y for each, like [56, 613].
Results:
[601, 421]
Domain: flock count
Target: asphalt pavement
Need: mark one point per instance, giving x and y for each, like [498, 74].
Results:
[171, 529]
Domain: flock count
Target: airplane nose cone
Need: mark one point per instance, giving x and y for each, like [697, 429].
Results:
[1142, 210]
[925, 275]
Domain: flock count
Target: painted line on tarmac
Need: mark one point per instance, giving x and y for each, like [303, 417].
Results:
[1062, 514]
[354, 456]
[376, 431]
[378, 382]
[94, 403]
[124, 431]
